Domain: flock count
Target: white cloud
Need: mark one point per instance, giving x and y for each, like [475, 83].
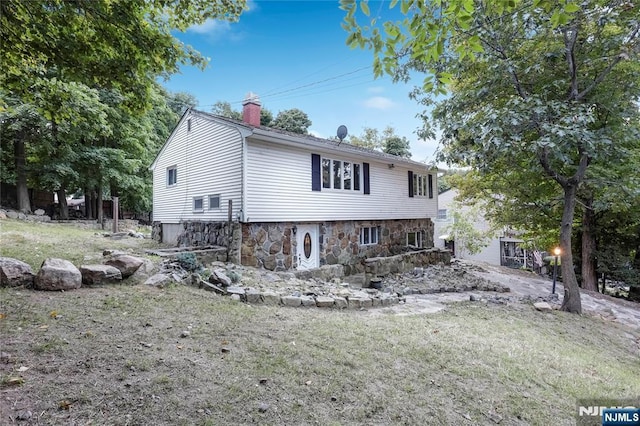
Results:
[211, 27]
[316, 134]
[375, 89]
[379, 102]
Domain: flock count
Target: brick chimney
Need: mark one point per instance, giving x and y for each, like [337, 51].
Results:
[251, 109]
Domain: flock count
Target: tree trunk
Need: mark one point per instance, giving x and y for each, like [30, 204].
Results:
[94, 204]
[88, 212]
[99, 205]
[589, 277]
[24, 205]
[571, 301]
[634, 289]
[62, 202]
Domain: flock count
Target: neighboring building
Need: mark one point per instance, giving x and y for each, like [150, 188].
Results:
[503, 249]
[285, 201]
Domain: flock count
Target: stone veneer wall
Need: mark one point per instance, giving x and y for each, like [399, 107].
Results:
[273, 245]
[199, 234]
[268, 245]
[340, 241]
[156, 231]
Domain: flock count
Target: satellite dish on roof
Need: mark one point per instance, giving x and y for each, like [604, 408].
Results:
[342, 132]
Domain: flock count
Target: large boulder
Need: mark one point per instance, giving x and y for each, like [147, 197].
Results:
[14, 273]
[143, 272]
[58, 274]
[159, 280]
[127, 264]
[100, 274]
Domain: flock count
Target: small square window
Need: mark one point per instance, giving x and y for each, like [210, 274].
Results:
[414, 239]
[198, 204]
[369, 235]
[442, 214]
[214, 202]
[172, 176]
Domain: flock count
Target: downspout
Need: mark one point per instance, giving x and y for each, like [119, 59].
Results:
[240, 216]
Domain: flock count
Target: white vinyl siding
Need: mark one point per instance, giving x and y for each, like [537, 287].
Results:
[279, 188]
[209, 159]
[489, 254]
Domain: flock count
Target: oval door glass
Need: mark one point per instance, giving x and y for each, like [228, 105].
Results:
[307, 245]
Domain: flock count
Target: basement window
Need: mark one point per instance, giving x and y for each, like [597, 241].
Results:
[214, 202]
[198, 204]
[369, 235]
[414, 239]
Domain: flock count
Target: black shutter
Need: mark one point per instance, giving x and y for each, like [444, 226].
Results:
[430, 186]
[365, 175]
[410, 183]
[315, 172]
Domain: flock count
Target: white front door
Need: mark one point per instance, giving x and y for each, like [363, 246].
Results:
[308, 247]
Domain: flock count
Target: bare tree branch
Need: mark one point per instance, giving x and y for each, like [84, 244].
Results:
[543, 156]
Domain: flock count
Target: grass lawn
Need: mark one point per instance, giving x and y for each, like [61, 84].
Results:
[126, 354]
[33, 242]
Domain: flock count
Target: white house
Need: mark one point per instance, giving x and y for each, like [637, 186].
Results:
[504, 248]
[294, 201]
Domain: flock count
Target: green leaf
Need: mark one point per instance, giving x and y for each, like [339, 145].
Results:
[351, 40]
[364, 6]
[571, 8]
[404, 6]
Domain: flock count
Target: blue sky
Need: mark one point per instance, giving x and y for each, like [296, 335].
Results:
[292, 54]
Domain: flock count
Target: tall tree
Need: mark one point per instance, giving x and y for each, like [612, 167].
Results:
[224, 109]
[397, 145]
[544, 85]
[20, 126]
[369, 138]
[119, 44]
[387, 141]
[292, 120]
[76, 46]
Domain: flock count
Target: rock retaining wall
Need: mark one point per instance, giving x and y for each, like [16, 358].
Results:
[123, 224]
[200, 234]
[382, 266]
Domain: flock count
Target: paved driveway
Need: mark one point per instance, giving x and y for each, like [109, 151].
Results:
[522, 284]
